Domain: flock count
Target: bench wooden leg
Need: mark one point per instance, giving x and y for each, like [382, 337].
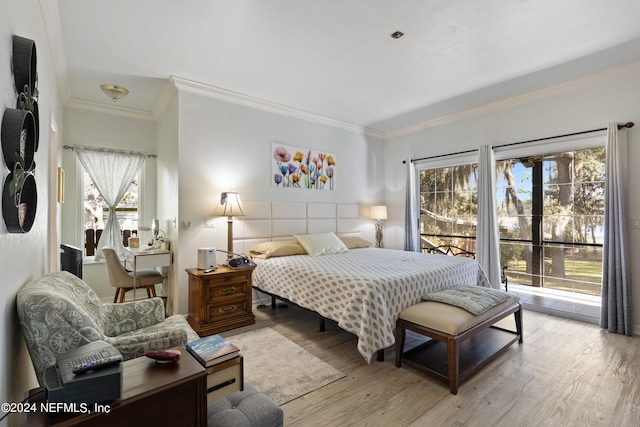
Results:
[400, 335]
[518, 318]
[453, 354]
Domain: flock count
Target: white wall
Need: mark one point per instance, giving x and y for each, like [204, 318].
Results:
[227, 147]
[98, 129]
[580, 110]
[24, 257]
[168, 177]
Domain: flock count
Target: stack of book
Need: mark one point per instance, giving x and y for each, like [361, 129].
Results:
[212, 350]
[223, 362]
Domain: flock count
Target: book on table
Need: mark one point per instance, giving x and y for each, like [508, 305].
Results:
[212, 350]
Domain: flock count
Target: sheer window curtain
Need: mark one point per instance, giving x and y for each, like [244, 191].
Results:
[112, 172]
[411, 231]
[487, 236]
[615, 309]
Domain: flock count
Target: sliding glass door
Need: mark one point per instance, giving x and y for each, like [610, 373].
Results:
[550, 209]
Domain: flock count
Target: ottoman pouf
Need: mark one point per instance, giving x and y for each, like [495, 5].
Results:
[247, 408]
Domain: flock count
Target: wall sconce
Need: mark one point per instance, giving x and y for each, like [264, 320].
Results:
[378, 213]
[230, 205]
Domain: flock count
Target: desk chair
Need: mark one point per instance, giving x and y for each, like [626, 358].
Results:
[122, 279]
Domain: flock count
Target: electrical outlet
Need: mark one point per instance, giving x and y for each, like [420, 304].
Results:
[635, 222]
[209, 222]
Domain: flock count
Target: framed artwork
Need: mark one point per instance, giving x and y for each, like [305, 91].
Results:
[60, 185]
[297, 167]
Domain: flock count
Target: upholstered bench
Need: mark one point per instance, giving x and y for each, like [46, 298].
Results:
[461, 342]
[247, 408]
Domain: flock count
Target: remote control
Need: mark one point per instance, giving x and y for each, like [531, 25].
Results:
[163, 355]
[97, 364]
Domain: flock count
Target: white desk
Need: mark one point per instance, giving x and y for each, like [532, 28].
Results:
[148, 259]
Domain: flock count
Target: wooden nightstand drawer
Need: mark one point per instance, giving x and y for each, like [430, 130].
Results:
[225, 378]
[224, 309]
[236, 276]
[227, 290]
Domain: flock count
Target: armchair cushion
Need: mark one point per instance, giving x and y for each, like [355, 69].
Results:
[60, 312]
[129, 316]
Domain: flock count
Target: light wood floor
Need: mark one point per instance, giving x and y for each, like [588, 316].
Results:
[566, 373]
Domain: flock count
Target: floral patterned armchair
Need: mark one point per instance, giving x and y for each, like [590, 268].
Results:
[60, 312]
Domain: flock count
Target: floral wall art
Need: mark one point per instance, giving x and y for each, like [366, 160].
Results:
[297, 167]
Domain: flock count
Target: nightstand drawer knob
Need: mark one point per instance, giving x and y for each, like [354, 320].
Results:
[227, 291]
[227, 309]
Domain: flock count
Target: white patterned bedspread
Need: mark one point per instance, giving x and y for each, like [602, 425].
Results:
[364, 290]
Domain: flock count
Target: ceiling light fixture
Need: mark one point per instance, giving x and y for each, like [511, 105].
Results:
[114, 92]
[397, 34]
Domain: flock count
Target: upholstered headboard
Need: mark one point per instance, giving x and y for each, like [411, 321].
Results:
[265, 221]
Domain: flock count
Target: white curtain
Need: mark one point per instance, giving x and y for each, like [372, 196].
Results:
[615, 309]
[112, 172]
[411, 232]
[487, 237]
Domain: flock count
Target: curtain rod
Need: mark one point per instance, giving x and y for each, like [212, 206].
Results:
[68, 147]
[620, 126]
[627, 125]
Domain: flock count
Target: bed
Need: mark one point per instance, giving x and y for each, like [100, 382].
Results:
[362, 289]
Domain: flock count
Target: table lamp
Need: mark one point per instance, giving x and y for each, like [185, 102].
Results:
[230, 205]
[378, 213]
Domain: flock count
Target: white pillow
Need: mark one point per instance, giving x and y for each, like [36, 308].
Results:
[321, 243]
[277, 248]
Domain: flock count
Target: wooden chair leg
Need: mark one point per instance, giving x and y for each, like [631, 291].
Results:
[122, 292]
[153, 290]
[115, 298]
[453, 355]
[148, 291]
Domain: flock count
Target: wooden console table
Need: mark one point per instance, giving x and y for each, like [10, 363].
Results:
[152, 394]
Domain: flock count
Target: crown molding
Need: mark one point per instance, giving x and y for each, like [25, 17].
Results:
[109, 109]
[51, 21]
[162, 102]
[585, 82]
[201, 89]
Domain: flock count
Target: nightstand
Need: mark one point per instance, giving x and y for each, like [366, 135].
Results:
[219, 300]
[225, 378]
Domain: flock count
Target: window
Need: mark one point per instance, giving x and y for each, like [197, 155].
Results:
[550, 211]
[448, 206]
[96, 211]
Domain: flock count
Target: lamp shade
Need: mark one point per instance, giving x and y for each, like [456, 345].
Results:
[230, 205]
[378, 212]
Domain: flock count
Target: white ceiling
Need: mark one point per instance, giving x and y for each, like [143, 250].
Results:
[336, 58]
